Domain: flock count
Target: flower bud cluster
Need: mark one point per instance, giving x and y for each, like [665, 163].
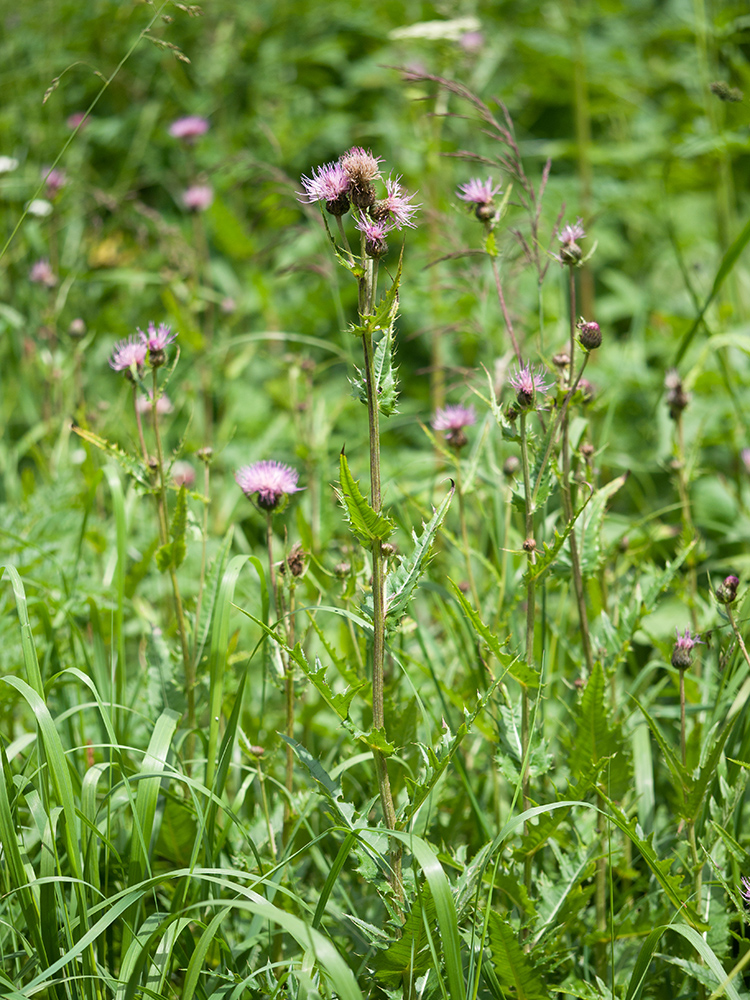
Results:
[351, 182]
[726, 592]
[132, 354]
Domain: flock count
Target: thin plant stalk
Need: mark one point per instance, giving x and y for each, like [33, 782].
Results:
[504, 309]
[139, 424]
[688, 528]
[465, 536]
[164, 524]
[567, 498]
[529, 546]
[204, 541]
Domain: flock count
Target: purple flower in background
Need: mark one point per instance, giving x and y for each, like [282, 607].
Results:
[198, 197]
[163, 404]
[682, 654]
[271, 481]
[478, 192]
[745, 889]
[452, 420]
[527, 382]
[42, 274]
[471, 41]
[328, 183]
[396, 206]
[129, 355]
[189, 127]
[54, 180]
[183, 473]
[76, 119]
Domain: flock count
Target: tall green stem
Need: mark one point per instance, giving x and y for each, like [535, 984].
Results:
[366, 300]
[465, 536]
[164, 530]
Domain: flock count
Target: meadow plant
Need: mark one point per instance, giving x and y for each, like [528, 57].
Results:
[379, 760]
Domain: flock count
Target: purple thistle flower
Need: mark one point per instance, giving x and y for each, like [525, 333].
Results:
[396, 206]
[570, 234]
[198, 197]
[129, 355]
[452, 420]
[271, 481]
[745, 889]
[478, 192]
[183, 473]
[157, 338]
[188, 127]
[528, 382]
[682, 654]
[375, 233]
[42, 274]
[328, 183]
[570, 252]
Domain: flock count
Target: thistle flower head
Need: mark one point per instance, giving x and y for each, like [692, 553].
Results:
[269, 481]
[157, 339]
[188, 127]
[129, 355]
[452, 420]
[330, 184]
[590, 335]
[362, 168]
[198, 197]
[396, 207]
[478, 192]
[570, 252]
[745, 889]
[375, 233]
[42, 274]
[528, 382]
[682, 654]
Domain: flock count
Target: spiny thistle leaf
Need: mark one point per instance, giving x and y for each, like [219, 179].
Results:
[364, 522]
[386, 384]
[512, 665]
[410, 956]
[597, 738]
[374, 739]
[132, 466]
[588, 532]
[548, 554]
[512, 966]
[402, 582]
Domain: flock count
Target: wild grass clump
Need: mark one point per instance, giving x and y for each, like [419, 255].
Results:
[374, 505]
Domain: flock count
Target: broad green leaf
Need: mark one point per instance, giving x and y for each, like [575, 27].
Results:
[132, 466]
[366, 524]
[596, 738]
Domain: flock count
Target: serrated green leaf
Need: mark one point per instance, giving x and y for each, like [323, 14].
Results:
[375, 739]
[402, 582]
[365, 523]
[177, 528]
[163, 557]
[384, 374]
[410, 955]
[588, 531]
[512, 965]
[596, 738]
[132, 466]
[512, 665]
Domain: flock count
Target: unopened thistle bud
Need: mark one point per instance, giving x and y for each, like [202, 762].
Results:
[529, 545]
[561, 360]
[511, 465]
[362, 168]
[296, 560]
[726, 592]
[677, 398]
[590, 336]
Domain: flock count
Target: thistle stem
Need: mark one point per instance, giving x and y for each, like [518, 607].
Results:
[530, 607]
[139, 424]
[504, 309]
[465, 536]
[366, 299]
[187, 661]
